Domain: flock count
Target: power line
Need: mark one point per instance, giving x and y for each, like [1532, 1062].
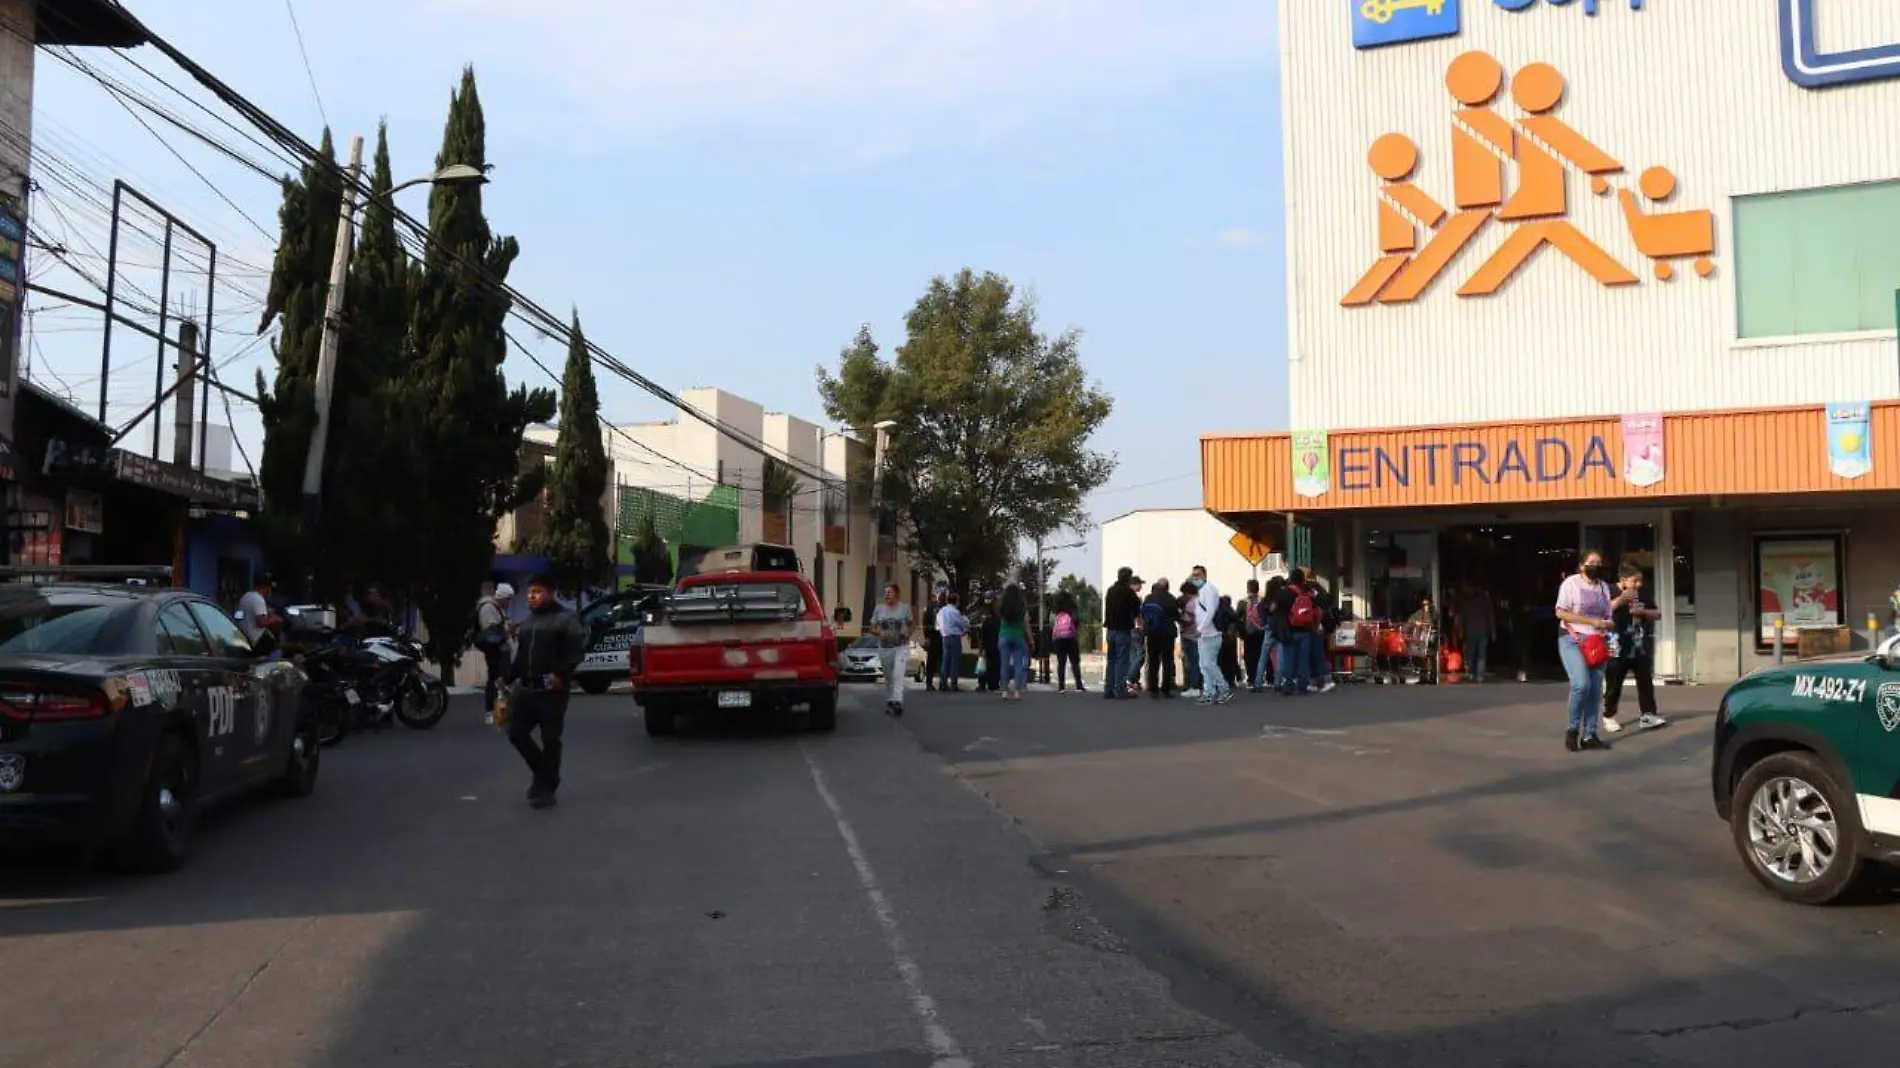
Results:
[291, 9]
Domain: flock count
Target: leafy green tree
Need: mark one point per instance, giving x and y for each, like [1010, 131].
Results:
[993, 421]
[299, 284]
[471, 422]
[375, 453]
[574, 535]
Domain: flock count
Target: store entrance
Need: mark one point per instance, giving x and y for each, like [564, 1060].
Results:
[1513, 570]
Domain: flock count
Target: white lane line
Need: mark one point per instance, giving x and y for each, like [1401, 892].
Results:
[942, 1046]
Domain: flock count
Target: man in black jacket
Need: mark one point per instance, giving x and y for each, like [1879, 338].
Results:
[1160, 639]
[548, 647]
[1120, 605]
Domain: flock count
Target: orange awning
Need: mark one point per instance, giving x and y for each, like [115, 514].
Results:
[1758, 451]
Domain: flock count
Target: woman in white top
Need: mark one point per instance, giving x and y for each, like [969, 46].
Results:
[1585, 607]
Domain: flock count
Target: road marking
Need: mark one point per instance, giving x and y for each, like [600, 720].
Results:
[1275, 731]
[942, 1046]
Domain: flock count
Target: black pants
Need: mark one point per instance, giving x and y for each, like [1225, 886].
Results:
[546, 710]
[933, 658]
[1620, 669]
[1160, 667]
[1068, 653]
[497, 661]
[992, 667]
[1251, 644]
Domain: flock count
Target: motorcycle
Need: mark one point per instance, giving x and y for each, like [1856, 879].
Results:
[418, 698]
[363, 683]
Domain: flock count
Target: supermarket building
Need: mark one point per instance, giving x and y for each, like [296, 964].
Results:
[1606, 273]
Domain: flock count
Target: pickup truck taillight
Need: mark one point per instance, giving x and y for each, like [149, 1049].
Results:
[636, 662]
[831, 645]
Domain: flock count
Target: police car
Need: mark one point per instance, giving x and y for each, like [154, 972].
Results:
[128, 710]
[613, 624]
[1807, 773]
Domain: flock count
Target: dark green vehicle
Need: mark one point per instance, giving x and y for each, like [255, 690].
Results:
[1807, 773]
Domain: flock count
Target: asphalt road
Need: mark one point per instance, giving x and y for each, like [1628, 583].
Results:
[1423, 878]
[739, 897]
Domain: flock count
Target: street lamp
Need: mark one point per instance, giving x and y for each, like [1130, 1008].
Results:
[455, 174]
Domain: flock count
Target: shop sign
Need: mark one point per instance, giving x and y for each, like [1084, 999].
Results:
[1537, 461]
[1850, 447]
[180, 481]
[85, 511]
[1810, 68]
[1377, 23]
[1420, 236]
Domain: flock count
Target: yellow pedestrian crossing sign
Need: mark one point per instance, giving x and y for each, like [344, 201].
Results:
[1246, 546]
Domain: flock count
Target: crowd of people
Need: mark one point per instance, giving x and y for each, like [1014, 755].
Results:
[1273, 638]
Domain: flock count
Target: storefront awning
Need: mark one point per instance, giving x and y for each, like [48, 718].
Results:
[1835, 449]
[68, 459]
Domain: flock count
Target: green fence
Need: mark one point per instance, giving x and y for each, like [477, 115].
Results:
[710, 521]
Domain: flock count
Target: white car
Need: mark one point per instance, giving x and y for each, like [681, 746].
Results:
[860, 661]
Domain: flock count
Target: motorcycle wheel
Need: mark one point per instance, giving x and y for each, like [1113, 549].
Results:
[422, 704]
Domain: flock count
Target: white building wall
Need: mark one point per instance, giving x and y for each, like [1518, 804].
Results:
[1694, 85]
[1168, 543]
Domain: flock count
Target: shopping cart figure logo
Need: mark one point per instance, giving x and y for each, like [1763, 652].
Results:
[1810, 68]
[1376, 23]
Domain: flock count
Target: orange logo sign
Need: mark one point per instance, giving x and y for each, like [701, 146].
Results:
[1543, 149]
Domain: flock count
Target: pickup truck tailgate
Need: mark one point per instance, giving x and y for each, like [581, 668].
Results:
[758, 631]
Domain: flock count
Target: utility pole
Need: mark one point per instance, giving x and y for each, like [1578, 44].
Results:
[187, 385]
[326, 368]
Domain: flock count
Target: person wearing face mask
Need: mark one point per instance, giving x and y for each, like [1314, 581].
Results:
[1585, 610]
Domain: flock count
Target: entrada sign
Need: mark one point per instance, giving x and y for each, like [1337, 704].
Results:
[1460, 463]
[1419, 237]
[1377, 23]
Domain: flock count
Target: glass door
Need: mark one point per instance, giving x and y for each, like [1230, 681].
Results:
[1402, 569]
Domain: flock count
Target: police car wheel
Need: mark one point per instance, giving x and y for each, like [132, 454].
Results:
[306, 758]
[161, 834]
[1798, 831]
[595, 687]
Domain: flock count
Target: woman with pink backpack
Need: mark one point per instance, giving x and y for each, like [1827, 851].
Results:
[1068, 643]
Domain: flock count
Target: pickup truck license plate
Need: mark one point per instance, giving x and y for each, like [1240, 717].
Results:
[735, 699]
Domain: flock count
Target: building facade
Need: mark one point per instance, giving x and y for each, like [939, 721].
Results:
[1168, 543]
[1605, 274]
[702, 487]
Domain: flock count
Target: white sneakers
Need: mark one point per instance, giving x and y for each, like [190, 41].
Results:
[1646, 723]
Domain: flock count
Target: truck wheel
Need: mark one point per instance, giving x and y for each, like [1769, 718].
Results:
[595, 687]
[1798, 831]
[659, 720]
[824, 712]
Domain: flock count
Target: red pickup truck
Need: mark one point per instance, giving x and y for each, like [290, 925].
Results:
[736, 641]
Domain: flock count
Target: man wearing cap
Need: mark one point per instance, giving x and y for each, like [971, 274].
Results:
[1120, 605]
[548, 647]
[491, 639]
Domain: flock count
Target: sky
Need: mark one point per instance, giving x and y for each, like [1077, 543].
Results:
[726, 190]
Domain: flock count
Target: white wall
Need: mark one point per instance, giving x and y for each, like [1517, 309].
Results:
[1694, 85]
[1168, 543]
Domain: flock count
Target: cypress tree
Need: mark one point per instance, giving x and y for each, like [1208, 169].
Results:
[574, 537]
[299, 284]
[471, 424]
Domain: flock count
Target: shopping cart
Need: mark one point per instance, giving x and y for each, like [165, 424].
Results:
[1421, 653]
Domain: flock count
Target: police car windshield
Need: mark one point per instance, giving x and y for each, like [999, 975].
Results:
[32, 623]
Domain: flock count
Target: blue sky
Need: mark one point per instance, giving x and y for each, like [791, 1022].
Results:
[727, 189]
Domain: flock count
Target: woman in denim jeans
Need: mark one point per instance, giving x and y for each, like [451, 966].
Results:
[1013, 642]
[1584, 608]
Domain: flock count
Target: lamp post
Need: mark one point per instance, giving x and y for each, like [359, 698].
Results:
[454, 174]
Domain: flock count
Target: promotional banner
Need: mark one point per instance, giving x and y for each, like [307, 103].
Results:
[1799, 580]
[1643, 449]
[1850, 447]
[1312, 463]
